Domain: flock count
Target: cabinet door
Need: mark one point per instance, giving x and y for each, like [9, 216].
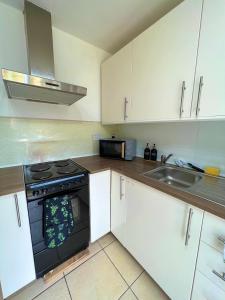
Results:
[100, 204]
[157, 228]
[164, 59]
[16, 254]
[116, 86]
[209, 96]
[204, 289]
[118, 206]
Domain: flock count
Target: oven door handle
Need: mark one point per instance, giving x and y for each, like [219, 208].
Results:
[56, 195]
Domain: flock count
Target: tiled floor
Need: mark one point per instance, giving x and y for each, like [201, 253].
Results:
[108, 273]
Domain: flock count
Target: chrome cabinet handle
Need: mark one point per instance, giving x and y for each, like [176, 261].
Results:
[17, 210]
[221, 276]
[182, 98]
[125, 109]
[188, 231]
[121, 187]
[201, 83]
[222, 240]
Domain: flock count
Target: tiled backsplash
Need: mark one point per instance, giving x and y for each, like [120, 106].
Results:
[202, 143]
[31, 140]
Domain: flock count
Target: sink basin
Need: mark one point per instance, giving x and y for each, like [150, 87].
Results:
[173, 176]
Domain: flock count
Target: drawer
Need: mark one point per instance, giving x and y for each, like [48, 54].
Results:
[204, 289]
[213, 229]
[209, 260]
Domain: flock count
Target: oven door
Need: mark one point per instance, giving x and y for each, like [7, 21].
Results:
[114, 149]
[45, 258]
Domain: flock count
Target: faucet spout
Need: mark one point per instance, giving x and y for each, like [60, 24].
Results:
[165, 158]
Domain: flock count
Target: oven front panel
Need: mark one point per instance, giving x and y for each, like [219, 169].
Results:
[45, 258]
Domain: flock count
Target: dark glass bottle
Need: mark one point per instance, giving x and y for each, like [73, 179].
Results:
[147, 152]
[154, 153]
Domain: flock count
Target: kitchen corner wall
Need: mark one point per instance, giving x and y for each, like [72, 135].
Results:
[24, 141]
[202, 143]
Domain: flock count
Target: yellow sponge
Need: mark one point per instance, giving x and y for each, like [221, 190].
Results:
[215, 171]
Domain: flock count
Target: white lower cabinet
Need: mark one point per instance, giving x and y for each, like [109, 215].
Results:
[160, 231]
[204, 289]
[16, 254]
[118, 206]
[99, 204]
[210, 275]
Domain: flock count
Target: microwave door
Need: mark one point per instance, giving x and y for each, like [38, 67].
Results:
[114, 149]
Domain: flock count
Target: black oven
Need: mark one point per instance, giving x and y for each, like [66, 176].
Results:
[46, 259]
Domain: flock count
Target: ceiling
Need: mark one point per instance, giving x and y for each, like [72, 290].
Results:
[107, 24]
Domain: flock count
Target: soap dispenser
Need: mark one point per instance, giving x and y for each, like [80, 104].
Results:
[154, 153]
[147, 152]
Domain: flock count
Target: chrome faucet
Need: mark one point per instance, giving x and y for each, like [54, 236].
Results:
[164, 158]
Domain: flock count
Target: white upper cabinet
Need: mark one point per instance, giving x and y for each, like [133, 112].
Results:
[16, 254]
[209, 95]
[116, 83]
[164, 59]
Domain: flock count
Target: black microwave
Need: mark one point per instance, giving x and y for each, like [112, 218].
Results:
[118, 148]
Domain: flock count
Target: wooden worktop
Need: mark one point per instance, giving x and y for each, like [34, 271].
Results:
[208, 190]
[11, 180]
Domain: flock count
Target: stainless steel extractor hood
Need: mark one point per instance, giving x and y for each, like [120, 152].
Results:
[40, 85]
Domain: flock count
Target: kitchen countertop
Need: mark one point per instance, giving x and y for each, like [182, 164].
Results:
[11, 180]
[208, 190]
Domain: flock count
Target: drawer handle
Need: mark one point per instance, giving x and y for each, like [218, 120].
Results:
[221, 276]
[188, 231]
[222, 240]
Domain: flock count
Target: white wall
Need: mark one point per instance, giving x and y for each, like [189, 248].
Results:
[75, 62]
[202, 143]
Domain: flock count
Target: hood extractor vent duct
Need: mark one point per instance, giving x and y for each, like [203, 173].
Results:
[40, 85]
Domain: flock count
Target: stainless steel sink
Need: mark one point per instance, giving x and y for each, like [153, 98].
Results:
[173, 176]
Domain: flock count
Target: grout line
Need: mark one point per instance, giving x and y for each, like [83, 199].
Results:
[124, 293]
[65, 274]
[134, 294]
[68, 287]
[47, 288]
[137, 278]
[106, 245]
[134, 282]
[116, 268]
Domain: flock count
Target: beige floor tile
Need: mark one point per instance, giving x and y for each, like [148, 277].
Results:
[106, 240]
[129, 295]
[58, 291]
[146, 289]
[96, 279]
[125, 263]
[33, 289]
[93, 249]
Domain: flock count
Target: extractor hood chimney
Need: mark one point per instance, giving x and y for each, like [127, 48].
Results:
[40, 84]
